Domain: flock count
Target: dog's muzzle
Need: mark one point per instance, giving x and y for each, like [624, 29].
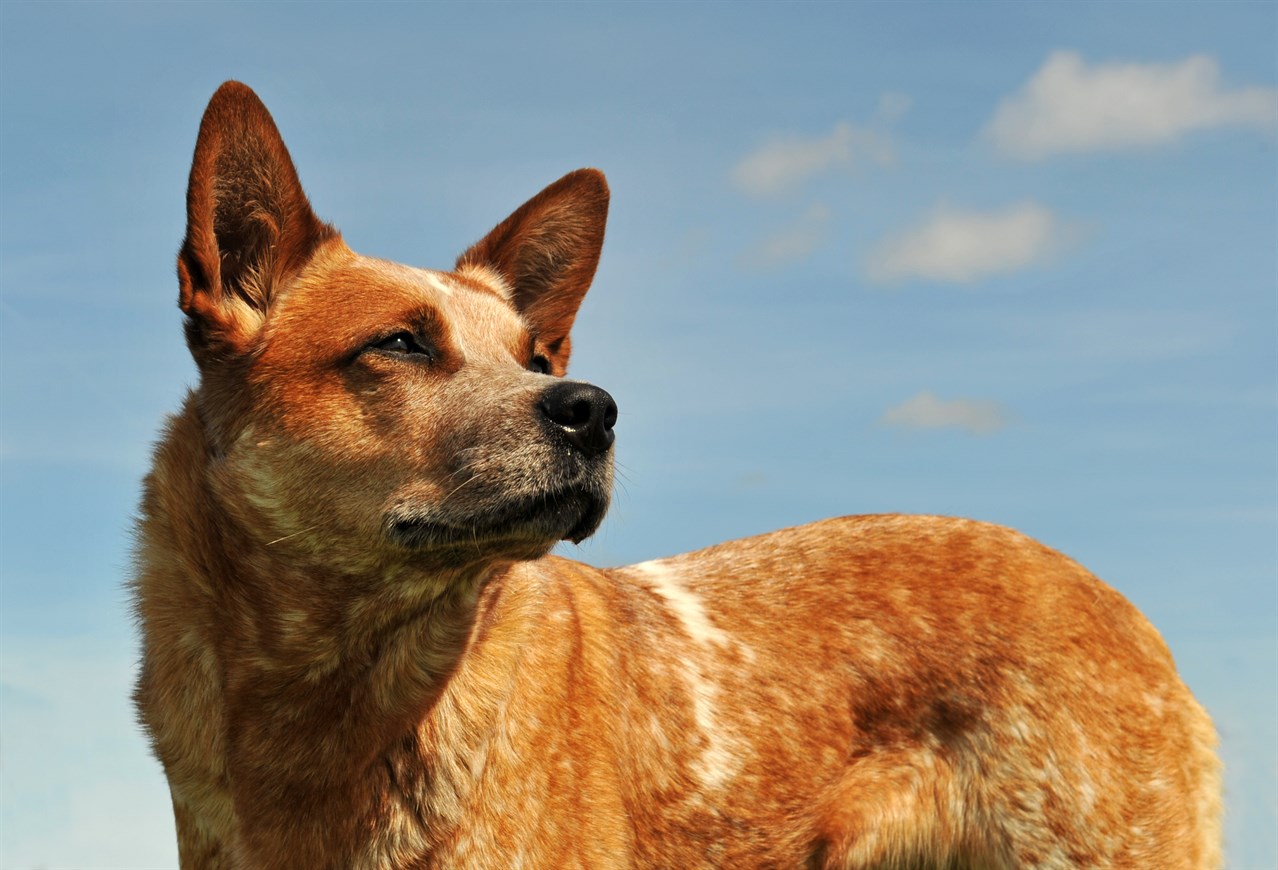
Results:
[526, 508]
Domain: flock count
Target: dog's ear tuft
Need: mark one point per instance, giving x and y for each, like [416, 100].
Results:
[546, 252]
[249, 225]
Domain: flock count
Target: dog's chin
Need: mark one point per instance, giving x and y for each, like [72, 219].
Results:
[525, 529]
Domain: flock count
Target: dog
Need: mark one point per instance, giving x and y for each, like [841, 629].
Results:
[357, 651]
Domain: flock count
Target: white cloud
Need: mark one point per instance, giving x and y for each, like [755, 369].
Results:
[926, 411]
[967, 246]
[785, 163]
[788, 161]
[793, 243]
[1069, 106]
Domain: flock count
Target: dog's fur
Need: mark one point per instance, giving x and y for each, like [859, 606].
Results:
[357, 654]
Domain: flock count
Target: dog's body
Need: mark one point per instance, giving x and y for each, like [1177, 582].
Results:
[357, 654]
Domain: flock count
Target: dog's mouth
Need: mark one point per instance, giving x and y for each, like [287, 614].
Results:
[533, 523]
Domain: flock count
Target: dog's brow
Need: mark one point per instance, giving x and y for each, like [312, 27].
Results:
[422, 318]
[428, 320]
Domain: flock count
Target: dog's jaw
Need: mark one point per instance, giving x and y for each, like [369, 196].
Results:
[526, 527]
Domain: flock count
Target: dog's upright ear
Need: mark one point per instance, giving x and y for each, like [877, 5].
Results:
[249, 225]
[546, 253]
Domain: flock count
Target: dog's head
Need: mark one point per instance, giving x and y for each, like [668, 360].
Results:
[365, 410]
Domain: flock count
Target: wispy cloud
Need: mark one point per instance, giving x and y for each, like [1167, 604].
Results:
[792, 243]
[1069, 106]
[786, 162]
[962, 247]
[927, 411]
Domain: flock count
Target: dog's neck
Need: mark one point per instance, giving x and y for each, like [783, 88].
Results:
[323, 671]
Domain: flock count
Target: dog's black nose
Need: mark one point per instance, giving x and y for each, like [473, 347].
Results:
[584, 414]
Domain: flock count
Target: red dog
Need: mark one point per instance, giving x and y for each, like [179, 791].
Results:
[358, 654]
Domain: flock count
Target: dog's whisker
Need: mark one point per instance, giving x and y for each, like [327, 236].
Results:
[458, 488]
[293, 535]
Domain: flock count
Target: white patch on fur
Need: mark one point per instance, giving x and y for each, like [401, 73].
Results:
[436, 282]
[718, 762]
[684, 604]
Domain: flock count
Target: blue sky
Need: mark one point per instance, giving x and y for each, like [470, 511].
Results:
[1009, 261]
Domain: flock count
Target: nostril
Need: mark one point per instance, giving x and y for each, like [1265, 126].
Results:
[580, 414]
[610, 414]
[570, 415]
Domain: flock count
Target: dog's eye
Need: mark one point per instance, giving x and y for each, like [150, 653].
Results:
[400, 342]
[540, 364]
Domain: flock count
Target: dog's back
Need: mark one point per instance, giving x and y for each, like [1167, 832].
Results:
[356, 652]
[862, 692]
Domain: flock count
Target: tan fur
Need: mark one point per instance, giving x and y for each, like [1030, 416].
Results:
[357, 653]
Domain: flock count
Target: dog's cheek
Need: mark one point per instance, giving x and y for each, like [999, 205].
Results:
[406, 449]
[314, 488]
